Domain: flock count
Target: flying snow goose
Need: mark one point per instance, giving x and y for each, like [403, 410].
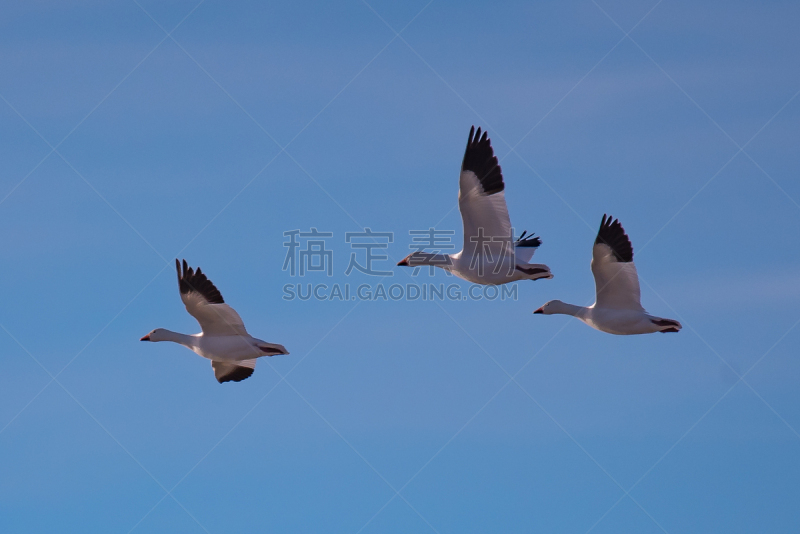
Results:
[489, 256]
[618, 308]
[224, 340]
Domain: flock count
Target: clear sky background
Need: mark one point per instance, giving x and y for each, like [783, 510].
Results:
[135, 132]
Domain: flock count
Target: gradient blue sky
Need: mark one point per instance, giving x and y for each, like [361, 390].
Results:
[397, 416]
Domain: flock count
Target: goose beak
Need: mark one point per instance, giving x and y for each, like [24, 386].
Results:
[540, 310]
[145, 338]
[403, 263]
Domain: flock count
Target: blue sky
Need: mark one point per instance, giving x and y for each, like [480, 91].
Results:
[207, 131]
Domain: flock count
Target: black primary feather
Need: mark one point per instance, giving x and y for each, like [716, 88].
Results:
[612, 234]
[237, 375]
[191, 280]
[480, 159]
[530, 241]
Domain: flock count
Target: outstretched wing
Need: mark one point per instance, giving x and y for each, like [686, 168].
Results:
[525, 247]
[487, 227]
[204, 302]
[615, 276]
[233, 372]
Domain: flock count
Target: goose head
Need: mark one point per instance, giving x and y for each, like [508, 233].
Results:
[406, 262]
[159, 334]
[552, 307]
[415, 259]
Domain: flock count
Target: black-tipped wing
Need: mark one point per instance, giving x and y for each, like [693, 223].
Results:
[479, 159]
[525, 246]
[190, 280]
[204, 302]
[615, 276]
[233, 371]
[612, 234]
[481, 199]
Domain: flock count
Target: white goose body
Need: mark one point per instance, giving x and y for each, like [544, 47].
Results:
[224, 339]
[617, 309]
[504, 269]
[235, 348]
[490, 256]
[619, 322]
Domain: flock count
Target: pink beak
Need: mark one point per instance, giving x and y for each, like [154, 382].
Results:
[145, 338]
[540, 310]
